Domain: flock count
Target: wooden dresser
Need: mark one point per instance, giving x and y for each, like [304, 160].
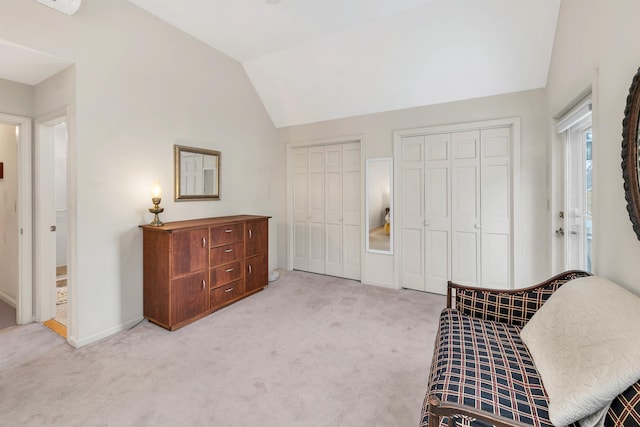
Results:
[193, 268]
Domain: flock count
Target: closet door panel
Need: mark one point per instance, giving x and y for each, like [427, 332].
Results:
[465, 257]
[496, 208]
[412, 247]
[315, 197]
[412, 262]
[437, 213]
[300, 210]
[333, 210]
[465, 208]
[351, 199]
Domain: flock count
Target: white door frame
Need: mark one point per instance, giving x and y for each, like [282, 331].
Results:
[24, 303]
[45, 250]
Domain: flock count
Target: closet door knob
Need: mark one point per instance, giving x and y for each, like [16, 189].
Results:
[427, 223]
[477, 226]
[250, 233]
[204, 242]
[250, 269]
[203, 284]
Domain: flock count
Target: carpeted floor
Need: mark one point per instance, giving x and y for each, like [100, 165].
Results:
[309, 350]
[7, 315]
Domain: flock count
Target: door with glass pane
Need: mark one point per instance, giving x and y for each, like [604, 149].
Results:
[578, 197]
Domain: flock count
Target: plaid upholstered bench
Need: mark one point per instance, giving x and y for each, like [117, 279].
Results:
[483, 374]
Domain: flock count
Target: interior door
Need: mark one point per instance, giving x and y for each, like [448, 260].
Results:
[578, 221]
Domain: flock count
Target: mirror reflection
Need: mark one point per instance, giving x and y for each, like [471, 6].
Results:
[379, 201]
[197, 173]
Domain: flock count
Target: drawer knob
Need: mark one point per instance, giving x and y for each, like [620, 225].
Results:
[203, 284]
[250, 269]
[228, 290]
[204, 242]
[228, 270]
[228, 230]
[228, 251]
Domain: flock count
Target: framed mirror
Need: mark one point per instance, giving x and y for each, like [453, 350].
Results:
[197, 173]
[379, 201]
[630, 159]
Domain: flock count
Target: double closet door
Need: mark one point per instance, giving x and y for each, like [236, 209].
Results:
[456, 209]
[326, 209]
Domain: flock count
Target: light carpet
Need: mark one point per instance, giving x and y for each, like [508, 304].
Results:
[309, 350]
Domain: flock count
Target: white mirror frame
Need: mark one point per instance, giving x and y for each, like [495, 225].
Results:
[380, 171]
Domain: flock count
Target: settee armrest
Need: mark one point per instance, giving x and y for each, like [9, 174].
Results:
[514, 307]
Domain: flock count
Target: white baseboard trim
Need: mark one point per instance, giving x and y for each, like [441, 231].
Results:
[97, 337]
[6, 298]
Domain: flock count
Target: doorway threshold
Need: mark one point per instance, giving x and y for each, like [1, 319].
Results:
[56, 327]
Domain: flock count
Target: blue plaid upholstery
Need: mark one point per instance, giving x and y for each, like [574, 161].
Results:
[514, 308]
[625, 409]
[485, 365]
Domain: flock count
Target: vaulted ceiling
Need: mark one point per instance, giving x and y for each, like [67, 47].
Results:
[315, 60]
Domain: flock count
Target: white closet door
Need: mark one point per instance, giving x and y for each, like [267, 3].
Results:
[351, 199]
[465, 224]
[300, 210]
[496, 208]
[412, 210]
[437, 213]
[333, 209]
[315, 213]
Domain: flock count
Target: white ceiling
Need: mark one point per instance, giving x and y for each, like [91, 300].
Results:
[315, 60]
[28, 66]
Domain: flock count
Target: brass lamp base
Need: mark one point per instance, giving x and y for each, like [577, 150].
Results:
[156, 210]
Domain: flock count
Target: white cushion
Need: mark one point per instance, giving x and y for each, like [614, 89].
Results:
[585, 342]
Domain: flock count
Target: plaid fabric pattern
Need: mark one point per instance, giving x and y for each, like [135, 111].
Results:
[512, 308]
[485, 365]
[625, 409]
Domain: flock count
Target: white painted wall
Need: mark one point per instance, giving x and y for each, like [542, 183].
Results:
[9, 215]
[140, 85]
[597, 42]
[377, 129]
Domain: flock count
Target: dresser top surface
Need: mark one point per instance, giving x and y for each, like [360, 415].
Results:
[203, 222]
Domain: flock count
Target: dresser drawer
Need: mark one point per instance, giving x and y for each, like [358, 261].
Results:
[226, 254]
[222, 295]
[226, 273]
[224, 234]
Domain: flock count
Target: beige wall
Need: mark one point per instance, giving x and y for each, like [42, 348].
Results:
[16, 99]
[377, 131]
[139, 86]
[597, 44]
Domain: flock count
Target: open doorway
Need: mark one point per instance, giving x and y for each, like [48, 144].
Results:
[16, 217]
[51, 219]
